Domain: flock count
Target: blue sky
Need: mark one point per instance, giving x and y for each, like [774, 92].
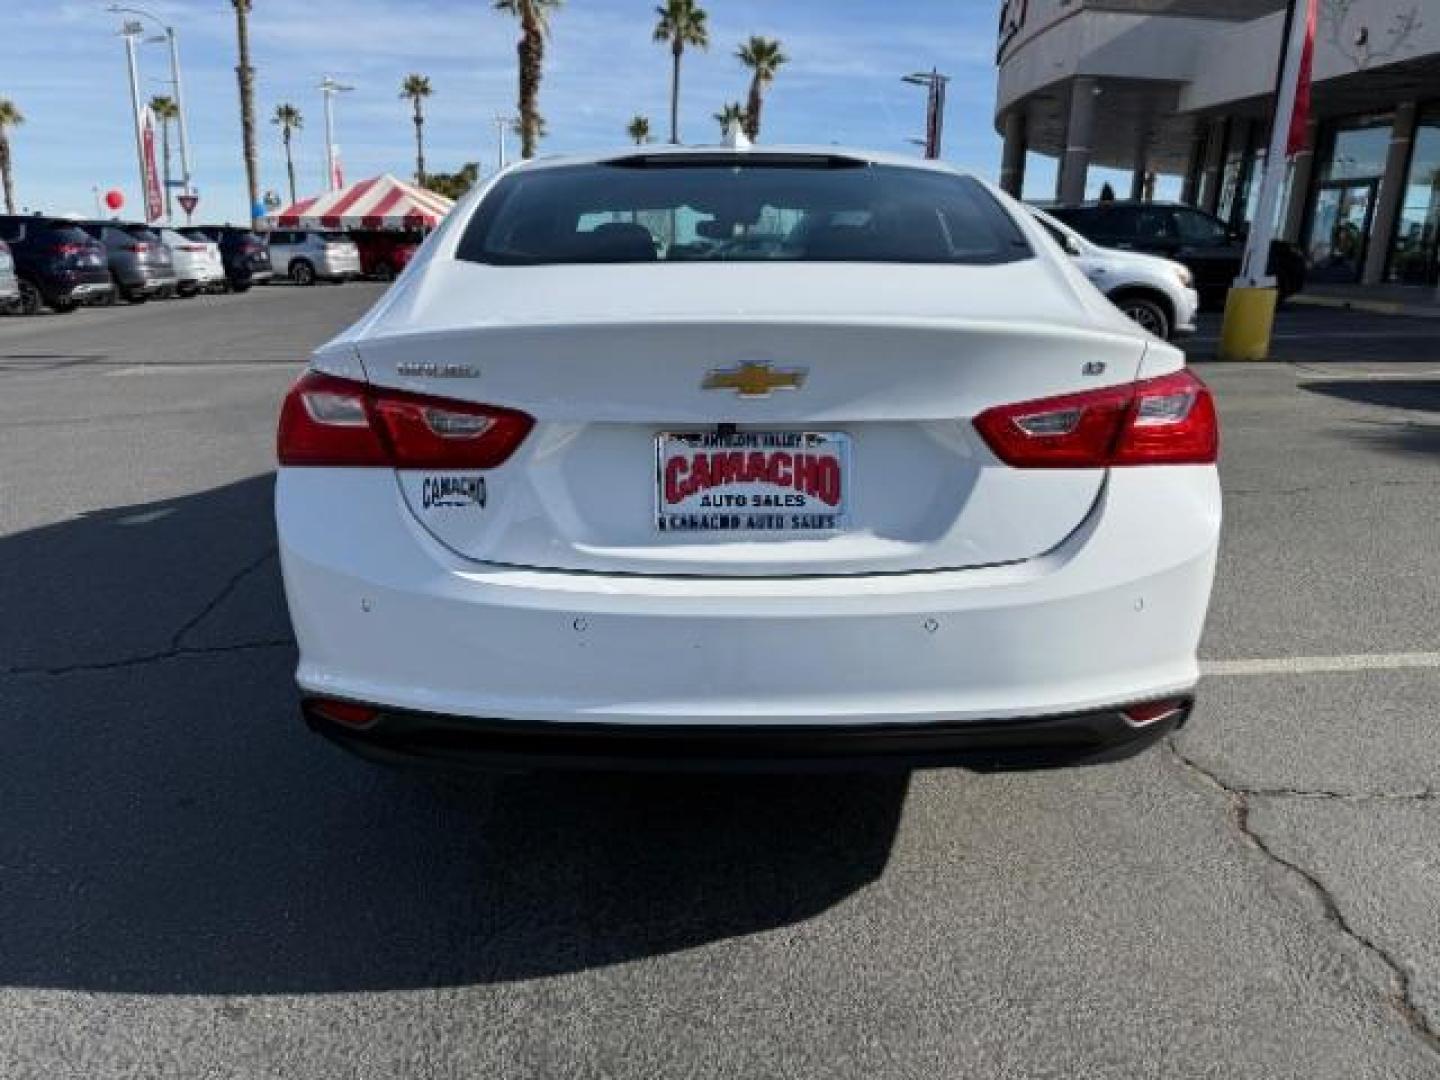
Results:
[63, 64]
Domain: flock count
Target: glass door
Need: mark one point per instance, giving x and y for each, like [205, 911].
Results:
[1340, 230]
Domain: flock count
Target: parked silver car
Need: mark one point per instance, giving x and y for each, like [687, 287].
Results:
[197, 261]
[307, 256]
[139, 262]
[9, 283]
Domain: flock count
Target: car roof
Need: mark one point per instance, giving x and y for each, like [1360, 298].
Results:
[767, 153]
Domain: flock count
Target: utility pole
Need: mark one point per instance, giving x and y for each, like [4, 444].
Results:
[934, 84]
[329, 87]
[173, 42]
[131, 31]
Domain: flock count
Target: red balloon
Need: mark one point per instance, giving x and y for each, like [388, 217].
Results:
[114, 200]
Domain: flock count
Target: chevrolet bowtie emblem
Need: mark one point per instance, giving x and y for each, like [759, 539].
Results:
[754, 380]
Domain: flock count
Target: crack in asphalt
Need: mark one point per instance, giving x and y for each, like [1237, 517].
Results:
[177, 648]
[232, 583]
[1401, 996]
[149, 658]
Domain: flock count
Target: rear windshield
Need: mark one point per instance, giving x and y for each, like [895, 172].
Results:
[140, 232]
[333, 236]
[66, 234]
[675, 210]
[194, 234]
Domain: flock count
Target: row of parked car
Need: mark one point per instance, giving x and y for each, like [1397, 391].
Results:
[63, 264]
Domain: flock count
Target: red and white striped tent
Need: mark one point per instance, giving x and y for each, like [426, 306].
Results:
[381, 202]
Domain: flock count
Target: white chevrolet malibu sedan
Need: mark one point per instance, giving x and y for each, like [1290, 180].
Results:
[746, 458]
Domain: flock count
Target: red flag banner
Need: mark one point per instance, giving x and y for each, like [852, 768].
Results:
[154, 200]
[1300, 118]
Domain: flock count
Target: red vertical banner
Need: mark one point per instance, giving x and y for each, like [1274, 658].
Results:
[337, 178]
[1300, 118]
[154, 198]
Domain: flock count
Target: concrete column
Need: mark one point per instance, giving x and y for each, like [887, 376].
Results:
[1140, 165]
[1079, 139]
[1392, 187]
[1012, 159]
[1190, 191]
[1302, 172]
[1213, 171]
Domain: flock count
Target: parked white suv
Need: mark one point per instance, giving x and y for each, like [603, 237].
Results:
[307, 256]
[197, 261]
[1157, 293]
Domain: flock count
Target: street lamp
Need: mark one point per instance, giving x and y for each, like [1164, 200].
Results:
[502, 122]
[330, 87]
[934, 83]
[130, 31]
[171, 40]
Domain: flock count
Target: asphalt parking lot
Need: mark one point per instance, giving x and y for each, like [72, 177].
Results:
[191, 885]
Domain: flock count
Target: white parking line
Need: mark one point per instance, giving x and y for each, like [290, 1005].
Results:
[202, 369]
[1309, 665]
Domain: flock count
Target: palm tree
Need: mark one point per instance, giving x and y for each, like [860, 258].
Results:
[417, 89]
[638, 129]
[289, 120]
[534, 16]
[165, 111]
[682, 22]
[10, 116]
[730, 113]
[246, 76]
[763, 57]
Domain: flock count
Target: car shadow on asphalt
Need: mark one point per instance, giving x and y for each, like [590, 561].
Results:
[168, 826]
[1398, 434]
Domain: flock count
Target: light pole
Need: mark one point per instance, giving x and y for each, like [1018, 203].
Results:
[171, 40]
[330, 87]
[935, 84]
[501, 123]
[130, 32]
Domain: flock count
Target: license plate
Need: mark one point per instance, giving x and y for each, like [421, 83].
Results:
[752, 481]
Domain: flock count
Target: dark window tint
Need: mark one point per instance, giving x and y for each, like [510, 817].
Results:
[1152, 224]
[1197, 228]
[194, 234]
[781, 209]
[1099, 223]
[63, 234]
[333, 236]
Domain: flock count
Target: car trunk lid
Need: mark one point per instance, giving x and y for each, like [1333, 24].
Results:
[879, 397]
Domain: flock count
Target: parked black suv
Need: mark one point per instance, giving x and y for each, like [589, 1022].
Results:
[245, 255]
[58, 264]
[1203, 242]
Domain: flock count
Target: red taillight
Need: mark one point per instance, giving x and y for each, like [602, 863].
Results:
[71, 249]
[1165, 421]
[139, 247]
[332, 421]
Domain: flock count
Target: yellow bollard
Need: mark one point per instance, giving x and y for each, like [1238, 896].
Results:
[1249, 320]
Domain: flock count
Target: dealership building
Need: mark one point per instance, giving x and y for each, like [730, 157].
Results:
[1186, 87]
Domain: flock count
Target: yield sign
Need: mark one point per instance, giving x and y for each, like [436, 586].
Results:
[188, 202]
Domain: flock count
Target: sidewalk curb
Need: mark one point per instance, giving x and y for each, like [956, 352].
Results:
[1374, 307]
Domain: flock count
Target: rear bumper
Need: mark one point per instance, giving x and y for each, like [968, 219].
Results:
[1185, 312]
[1110, 617]
[397, 737]
[83, 291]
